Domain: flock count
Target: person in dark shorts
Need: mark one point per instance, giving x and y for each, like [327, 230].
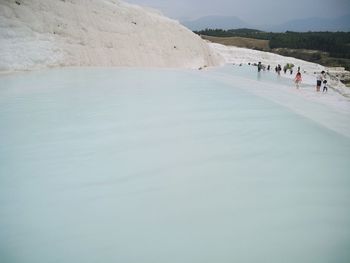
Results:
[319, 79]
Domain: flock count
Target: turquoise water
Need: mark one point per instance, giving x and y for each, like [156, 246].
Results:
[128, 165]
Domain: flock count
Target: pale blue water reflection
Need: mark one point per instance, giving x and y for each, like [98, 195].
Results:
[121, 165]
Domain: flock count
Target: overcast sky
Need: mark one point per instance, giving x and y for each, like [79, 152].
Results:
[251, 11]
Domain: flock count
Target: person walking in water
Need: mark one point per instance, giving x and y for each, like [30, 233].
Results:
[298, 79]
[320, 77]
[259, 66]
[285, 69]
[325, 88]
[278, 69]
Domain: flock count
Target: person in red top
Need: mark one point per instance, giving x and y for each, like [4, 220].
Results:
[298, 79]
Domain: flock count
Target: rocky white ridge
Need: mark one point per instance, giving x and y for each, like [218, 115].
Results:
[51, 33]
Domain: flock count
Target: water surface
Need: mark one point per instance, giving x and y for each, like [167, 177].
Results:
[131, 165]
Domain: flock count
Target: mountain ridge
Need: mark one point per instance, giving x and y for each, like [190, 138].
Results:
[341, 23]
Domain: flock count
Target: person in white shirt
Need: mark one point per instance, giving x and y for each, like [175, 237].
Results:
[320, 77]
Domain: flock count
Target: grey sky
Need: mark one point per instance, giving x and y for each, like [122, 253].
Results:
[252, 11]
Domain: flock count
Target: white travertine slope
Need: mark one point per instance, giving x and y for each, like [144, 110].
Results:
[50, 33]
[237, 55]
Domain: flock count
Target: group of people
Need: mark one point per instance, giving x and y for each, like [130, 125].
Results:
[321, 77]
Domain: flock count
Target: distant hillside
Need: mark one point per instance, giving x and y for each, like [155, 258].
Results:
[222, 22]
[251, 43]
[242, 32]
[336, 43]
[312, 24]
[298, 25]
[325, 48]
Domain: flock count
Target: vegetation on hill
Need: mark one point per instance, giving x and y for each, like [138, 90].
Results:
[245, 42]
[325, 48]
[242, 32]
[337, 44]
